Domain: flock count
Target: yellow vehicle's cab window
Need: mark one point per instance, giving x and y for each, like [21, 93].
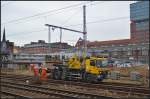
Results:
[101, 63]
[105, 63]
[92, 63]
[98, 63]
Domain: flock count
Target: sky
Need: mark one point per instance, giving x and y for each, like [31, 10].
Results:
[24, 21]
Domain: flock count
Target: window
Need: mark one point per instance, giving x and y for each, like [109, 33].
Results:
[101, 63]
[139, 11]
[92, 62]
[104, 63]
[98, 63]
[144, 52]
[142, 25]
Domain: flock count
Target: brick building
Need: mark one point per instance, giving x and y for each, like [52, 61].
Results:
[109, 43]
[139, 16]
[139, 27]
[42, 47]
[137, 46]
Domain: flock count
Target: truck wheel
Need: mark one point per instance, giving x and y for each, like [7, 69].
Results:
[87, 77]
[53, 73]
[57, 74]
[101, 77]
[105, 74]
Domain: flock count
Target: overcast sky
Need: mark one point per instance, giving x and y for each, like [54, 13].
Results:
[24, 20]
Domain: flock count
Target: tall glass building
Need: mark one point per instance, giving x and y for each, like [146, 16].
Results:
[139, 16]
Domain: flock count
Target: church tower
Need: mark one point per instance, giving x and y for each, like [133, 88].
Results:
[3, 44]
[4, 37]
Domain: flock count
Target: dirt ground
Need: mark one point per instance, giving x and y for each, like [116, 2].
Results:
[124, 71]
[143, 70]
[18, 72]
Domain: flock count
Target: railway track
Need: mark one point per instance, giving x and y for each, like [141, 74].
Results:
[102, 85]
[15, 76]
[32, 91]
[24, 77]
[10, 95]
[114, 87]
[123, 88]
[21, 78]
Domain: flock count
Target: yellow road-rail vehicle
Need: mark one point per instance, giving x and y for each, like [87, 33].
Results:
[90, 69]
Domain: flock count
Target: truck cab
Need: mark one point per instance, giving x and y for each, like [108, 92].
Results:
[97, 67]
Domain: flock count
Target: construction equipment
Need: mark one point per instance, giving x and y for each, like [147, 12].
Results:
[80, 68]
[90, 69]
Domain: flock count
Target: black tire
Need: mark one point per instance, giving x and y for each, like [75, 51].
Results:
[57, 74]
[105, 74]
[88, 77]
[52, 74]
[102, 76]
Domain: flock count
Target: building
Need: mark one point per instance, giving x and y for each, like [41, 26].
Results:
[21, 57]
[6, 45]
[6, 54]
[42, 47]
[137, 46]
[139, 16]
[80, 42]
[109, 43]
[16, 49]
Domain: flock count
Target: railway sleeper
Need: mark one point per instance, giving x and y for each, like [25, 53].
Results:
[62, 95]
[16, 95]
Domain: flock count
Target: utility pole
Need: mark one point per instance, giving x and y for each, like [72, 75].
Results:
[49, 39]
[84, 30]
[60, 35]
[54, 26]
[60, 38]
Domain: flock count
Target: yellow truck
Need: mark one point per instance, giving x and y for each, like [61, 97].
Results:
[90, 69]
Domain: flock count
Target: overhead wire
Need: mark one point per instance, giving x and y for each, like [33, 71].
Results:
[105, 20]
[70, 17]
[43, 13]
[45, 17]
[44, 29]
[22, 33]
[72, 25]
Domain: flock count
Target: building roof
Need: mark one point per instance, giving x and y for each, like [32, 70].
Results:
[110, 42]
[104, 43]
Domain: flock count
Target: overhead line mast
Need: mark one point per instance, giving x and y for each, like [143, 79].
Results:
[84, 32]
[84, 29]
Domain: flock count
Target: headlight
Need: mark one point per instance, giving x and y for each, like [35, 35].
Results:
[100, 72]
[56, 67]
[98, 76]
